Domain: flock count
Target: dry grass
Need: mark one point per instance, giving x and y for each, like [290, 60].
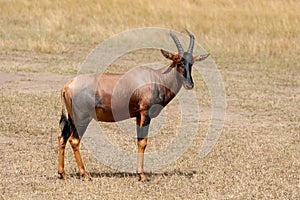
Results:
[256, 45]
[236, 28]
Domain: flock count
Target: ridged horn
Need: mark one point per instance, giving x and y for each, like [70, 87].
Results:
[192, 39]
[178, 45]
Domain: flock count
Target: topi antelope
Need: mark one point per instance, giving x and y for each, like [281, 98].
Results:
[103, 97]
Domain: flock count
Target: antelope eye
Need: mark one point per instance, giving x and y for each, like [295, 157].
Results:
[183, 60]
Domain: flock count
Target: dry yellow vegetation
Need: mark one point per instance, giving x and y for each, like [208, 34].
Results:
[227, 27]
[255, 44]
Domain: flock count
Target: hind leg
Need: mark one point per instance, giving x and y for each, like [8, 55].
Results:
[61, 156]
[75, 142]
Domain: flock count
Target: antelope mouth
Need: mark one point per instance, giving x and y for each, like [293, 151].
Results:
[188, 86]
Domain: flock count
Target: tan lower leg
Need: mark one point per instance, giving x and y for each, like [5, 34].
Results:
[142, 143]
[75, 146]
[61, 154]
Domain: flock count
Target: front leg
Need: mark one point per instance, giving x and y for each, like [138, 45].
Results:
[142, 127]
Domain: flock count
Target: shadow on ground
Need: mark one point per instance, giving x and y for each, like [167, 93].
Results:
[186, 174]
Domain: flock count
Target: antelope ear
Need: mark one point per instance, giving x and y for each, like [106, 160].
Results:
[201, 57]
[167, 54]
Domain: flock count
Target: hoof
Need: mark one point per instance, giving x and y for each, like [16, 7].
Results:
[143, 178]
[86, 177]
[62, 175]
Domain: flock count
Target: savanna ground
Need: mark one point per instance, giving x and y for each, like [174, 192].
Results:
[255, 45]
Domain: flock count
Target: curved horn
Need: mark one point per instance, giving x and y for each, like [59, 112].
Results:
[192, 39]
[178, 45]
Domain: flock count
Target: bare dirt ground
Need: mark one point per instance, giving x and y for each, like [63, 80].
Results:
[257, 156]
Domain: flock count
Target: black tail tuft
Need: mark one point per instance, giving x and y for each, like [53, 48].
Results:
[67, 127]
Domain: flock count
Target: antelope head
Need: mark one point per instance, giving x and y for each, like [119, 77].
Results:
[184, 60]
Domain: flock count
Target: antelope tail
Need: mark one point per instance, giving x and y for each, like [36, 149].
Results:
[66, 124]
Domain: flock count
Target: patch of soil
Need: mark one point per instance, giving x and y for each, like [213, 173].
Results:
[32, 82]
